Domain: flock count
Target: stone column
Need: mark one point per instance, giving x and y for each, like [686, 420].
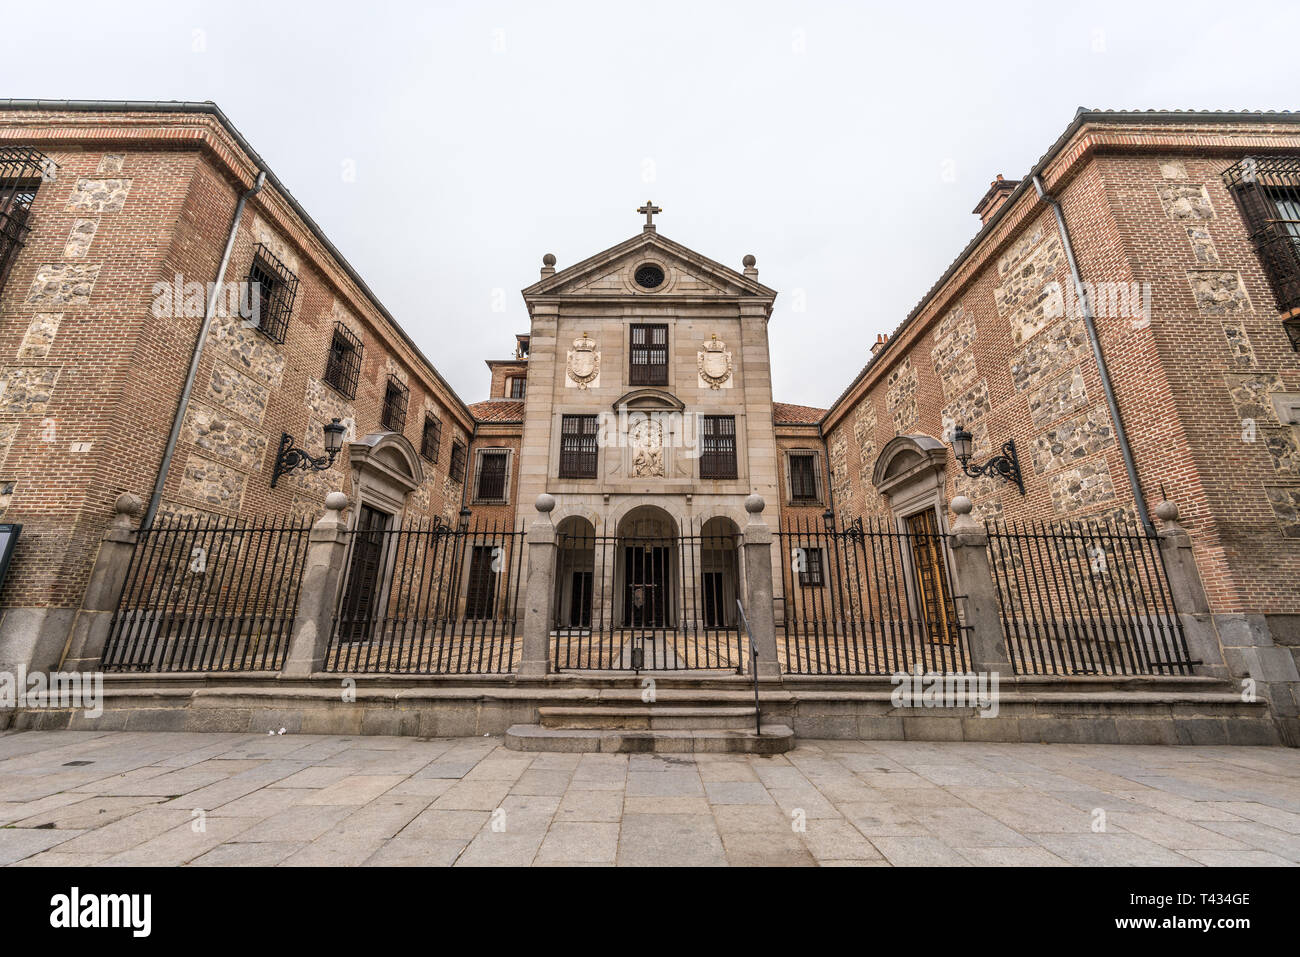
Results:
[976, 589]
[1189, 594]
[323, 569]
[539, 592]
[760, 609]
[104, 590]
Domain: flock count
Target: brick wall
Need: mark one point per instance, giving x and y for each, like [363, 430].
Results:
[89, 353]
[997, 350]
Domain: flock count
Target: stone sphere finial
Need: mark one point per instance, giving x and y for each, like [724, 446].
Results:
[961, 505]
[1167, 512]
[336, 501]
[749, 261]
[548, 259]
[754, 503]
[545, 503]
[127, 504]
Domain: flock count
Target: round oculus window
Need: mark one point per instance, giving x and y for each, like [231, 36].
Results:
[649, 277]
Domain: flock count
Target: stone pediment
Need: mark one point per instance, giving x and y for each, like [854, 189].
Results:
[649, 400]
[612, 274]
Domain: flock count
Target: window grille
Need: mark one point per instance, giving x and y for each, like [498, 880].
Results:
[395, 398]
[432, 438]
[343, 365]
[578, 448]
[648, 355]
[272, 290]
[718, 447]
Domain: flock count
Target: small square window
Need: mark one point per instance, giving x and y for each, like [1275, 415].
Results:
[803, 478]
[579, 450]
[272, 289]
[395, 396]
[718, 447]
[432, 438]
[343, 365]
[811, 575]
[456, 470]
[518, 386]
[648, 355]
[493, 475]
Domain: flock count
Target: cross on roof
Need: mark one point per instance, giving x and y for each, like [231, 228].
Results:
[649, 209]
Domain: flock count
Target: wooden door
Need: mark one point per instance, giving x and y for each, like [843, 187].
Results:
[933, 592]
[362, 596]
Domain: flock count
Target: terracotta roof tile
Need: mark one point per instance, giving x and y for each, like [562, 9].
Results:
[788, 414]
[498, 410]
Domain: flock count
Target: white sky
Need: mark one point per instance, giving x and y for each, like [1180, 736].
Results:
[843, 144]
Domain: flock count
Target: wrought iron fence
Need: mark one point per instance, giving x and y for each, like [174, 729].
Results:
[208, 595]
[1085, 598]
[429, 599]
[869, 599]
[647, 602]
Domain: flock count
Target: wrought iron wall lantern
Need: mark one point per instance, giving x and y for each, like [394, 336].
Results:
[853, 528]
[291, 458]
[1007, 465]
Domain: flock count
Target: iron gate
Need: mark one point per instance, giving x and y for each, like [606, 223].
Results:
[632, 603]
[428, 599]
[868, 599]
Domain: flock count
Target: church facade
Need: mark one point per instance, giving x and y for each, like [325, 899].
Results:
[1117, 346]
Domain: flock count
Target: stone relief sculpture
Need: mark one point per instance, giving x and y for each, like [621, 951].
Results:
[647, 437]
[583, 368]
[714, 364]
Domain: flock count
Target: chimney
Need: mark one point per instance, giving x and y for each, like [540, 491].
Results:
[881, 339]
[998, 192]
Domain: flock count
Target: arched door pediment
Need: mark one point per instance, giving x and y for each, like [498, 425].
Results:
[908, 461]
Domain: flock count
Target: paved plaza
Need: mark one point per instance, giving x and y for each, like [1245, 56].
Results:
[157, 798]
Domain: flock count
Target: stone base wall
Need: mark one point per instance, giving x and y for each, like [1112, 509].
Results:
[1081, 711]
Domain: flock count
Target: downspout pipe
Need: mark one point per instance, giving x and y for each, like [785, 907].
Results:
[214, 292]
[1139, 501]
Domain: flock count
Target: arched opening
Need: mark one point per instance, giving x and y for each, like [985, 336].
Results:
[719, 572]
[647, 569]
[575, 573]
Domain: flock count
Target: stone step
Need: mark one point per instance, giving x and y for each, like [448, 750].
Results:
[774, 739]
[648, 718]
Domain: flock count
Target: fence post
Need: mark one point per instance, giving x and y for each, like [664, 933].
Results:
[327, 547]
[104, 590]
[760, 607]
[974, 582]
[539, 591]
[1189, 594]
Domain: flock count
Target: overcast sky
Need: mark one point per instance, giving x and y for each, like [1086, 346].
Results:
[444, 147]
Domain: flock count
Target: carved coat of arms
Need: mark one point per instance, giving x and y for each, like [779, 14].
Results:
[584, 362]
[715, 363]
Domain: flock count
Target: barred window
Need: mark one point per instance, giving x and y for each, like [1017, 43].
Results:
[432, 438]
[811, 574]
[456, 470]
[395, 395]
[804, 486]
[648, 355]
[718, 447]
[21, 170]
[518, 385]
[272, 291]
[493, 470]
[1267, 191]
[343, 365]
[578, 449]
